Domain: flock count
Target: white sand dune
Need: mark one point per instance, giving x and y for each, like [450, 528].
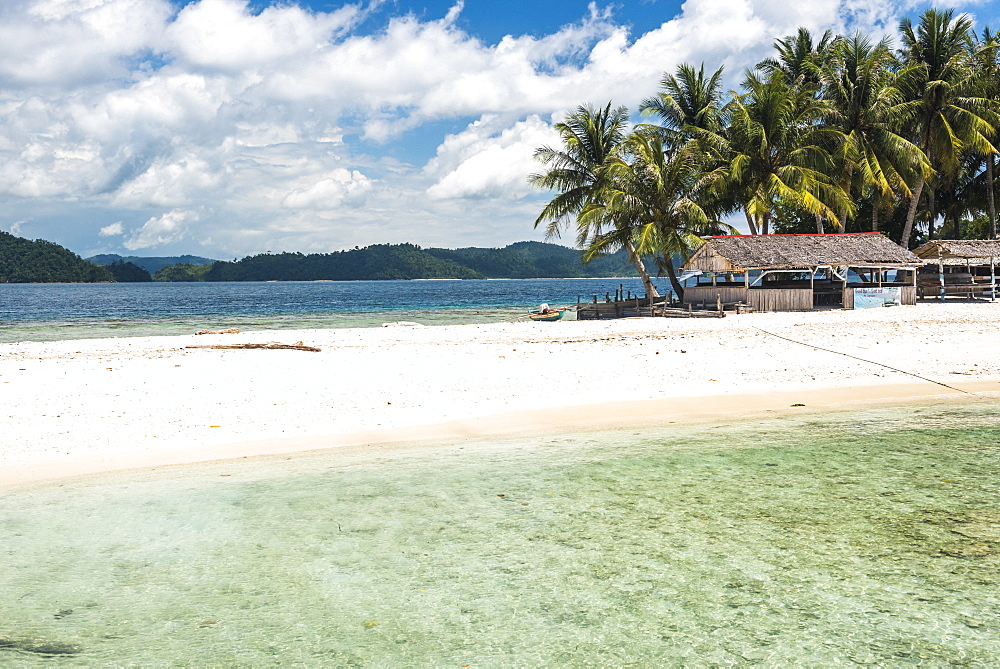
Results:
[75, 407]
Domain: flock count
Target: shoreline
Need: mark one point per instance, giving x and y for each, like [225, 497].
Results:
[543, 423]
[83, 407]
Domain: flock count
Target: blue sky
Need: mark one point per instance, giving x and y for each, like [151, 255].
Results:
[227, 127]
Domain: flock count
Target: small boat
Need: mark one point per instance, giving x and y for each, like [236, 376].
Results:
[552, 315]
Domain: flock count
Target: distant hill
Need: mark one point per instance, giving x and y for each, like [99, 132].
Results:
[372, 263]
[151, 265]
[26, 261]
[128, 272]
[537, 260]
[523, 260]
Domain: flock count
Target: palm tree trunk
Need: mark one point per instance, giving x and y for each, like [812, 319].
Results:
[874, 216]
[647, 283]
[750, 222]
[932, 215]
[989, 196]
[910, 214]
[675, 283]
[819, 224]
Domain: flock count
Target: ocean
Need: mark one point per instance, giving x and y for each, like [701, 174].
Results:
[869, 537]
[46, 312]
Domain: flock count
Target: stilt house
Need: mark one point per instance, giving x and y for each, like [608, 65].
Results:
[802, 272]
[959, 267]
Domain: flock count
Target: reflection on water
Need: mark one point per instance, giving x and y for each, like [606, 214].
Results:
[871, 538]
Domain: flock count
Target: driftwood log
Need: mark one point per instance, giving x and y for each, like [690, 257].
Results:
[226, 331]
[270, 346]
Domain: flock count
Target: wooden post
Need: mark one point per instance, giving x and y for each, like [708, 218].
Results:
[718, 302]
[940, 276]
[993, 279]
[812, 286]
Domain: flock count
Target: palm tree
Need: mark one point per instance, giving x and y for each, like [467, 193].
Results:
[650, 202]
[778, 151]
[575, 172]
[869, 111]
[938, 84]
[799, 59]
[986, 61]
[687, 101]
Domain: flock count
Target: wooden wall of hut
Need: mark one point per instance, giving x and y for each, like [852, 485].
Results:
[706, 295]
[781, 299]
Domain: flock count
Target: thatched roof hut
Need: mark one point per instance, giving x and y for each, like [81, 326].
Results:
[965, 268]
[799, 272]
[739, 253]
[959, 249]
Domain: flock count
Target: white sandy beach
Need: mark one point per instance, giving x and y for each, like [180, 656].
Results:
[86, 406]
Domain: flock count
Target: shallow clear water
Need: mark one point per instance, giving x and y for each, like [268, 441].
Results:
[865, 537]
[46, 312]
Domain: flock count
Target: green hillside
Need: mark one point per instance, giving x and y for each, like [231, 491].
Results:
[26, 261]
[372, 263]
[152, 264]
[537, 260]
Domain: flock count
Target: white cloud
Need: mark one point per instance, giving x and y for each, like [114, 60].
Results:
[340, 187]
[69, 42]
[16, 227]
[224, 34]
[157, 231]
[112, 230]
[243, 126]
[487, 161]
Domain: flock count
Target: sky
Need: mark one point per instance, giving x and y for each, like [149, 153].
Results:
[226, 128]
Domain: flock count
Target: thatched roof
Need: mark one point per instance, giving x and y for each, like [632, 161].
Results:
[955, 249]
[737, 253]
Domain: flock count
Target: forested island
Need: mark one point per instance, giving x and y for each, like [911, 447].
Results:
[39, 261]
[523, 260]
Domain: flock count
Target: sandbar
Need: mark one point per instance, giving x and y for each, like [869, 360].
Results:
[87, 406]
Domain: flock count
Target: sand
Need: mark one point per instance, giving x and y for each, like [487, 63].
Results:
[77, 407]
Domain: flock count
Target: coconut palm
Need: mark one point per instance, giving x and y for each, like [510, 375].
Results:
[938, 83]
[687, 100]
[778, 151]
[986, 62]
[650, 202]
[590, 137]
[799, 59]
[873, 159]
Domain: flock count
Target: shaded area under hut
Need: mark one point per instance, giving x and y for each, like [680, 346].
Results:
[801, 272]
[958, 268]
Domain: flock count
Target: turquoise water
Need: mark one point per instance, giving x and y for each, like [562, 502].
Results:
[46, 312]
[868, 538]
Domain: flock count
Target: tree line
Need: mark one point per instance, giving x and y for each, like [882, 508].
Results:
[835, 134]
[39, 261]
[409, 261]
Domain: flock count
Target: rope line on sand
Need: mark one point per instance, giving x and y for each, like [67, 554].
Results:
[848, 355]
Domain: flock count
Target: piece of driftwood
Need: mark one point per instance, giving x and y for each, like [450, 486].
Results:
[226, 331]
[297, 346]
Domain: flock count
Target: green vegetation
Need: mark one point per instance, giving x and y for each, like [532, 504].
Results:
[39, 261]
[523, 260]
[838, 133]
[379, 262]
[182, 272]
[531, 260]
[151, 264]
[127, 272]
